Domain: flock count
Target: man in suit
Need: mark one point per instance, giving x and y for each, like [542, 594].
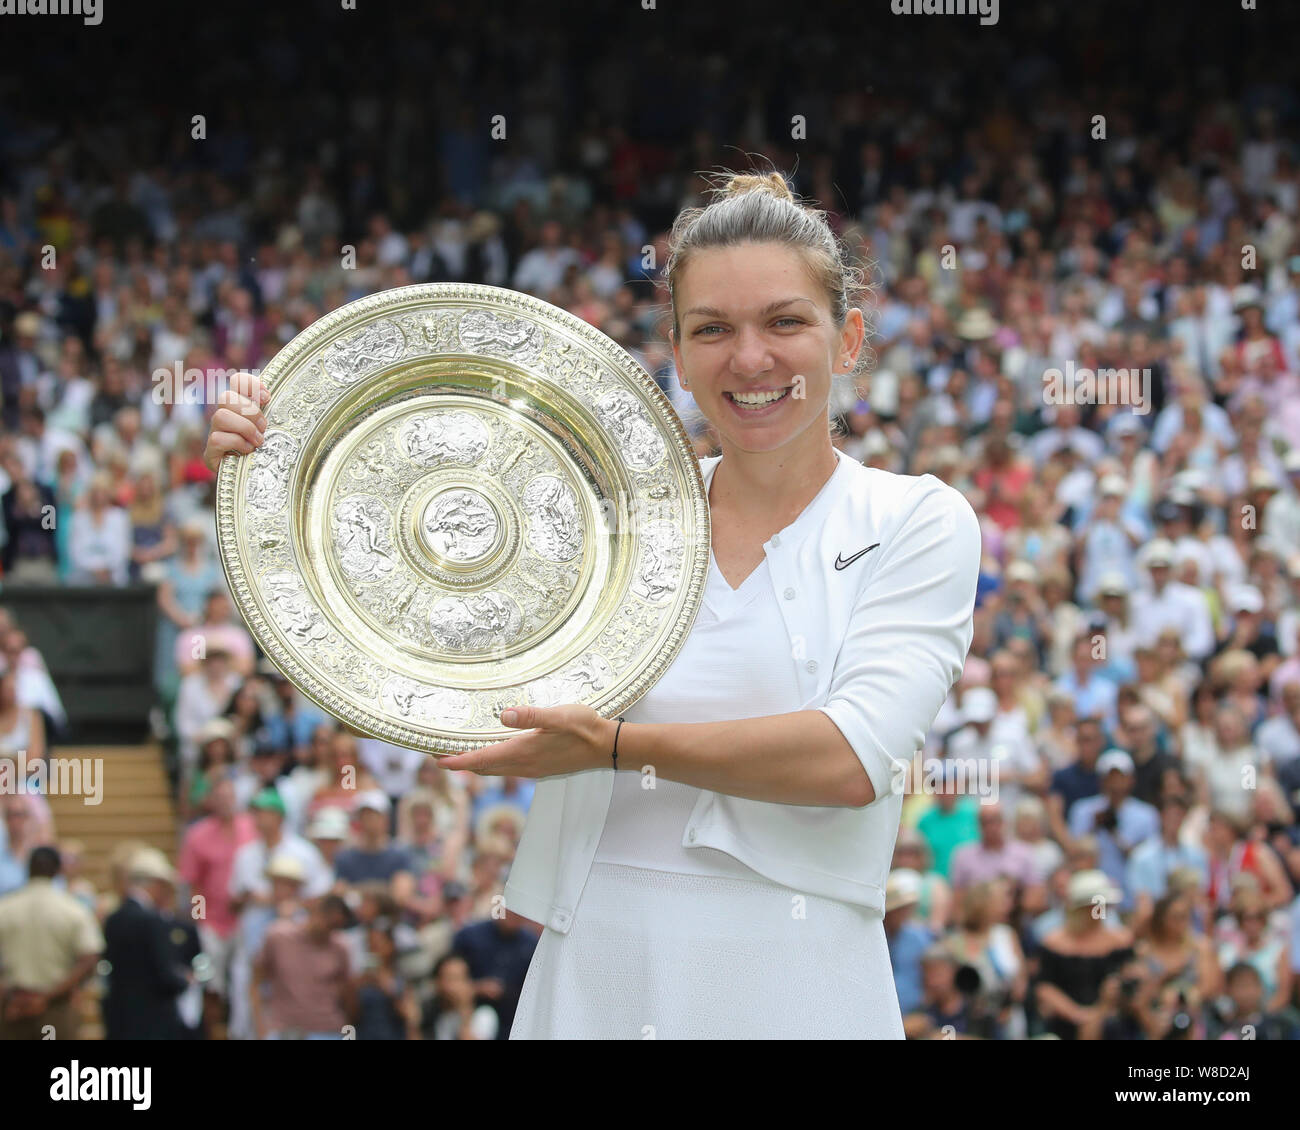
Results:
[147, 975]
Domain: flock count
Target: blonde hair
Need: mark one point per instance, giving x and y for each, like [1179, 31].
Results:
[760, 208]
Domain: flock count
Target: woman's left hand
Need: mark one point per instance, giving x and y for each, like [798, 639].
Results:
[560, 739]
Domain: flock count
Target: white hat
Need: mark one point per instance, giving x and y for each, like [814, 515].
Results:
[1113, 485]
[215, 728]
[1021, 571]
[1261, 478]
[1127, 424]
[1246, 295]
[1159, 551]
[329, 824]
[1085, 887]
[1112, 583]
[286, 867]
[1114, 759]
[1245, 598]
[150, 863]
[902, 888]
[374, 799]
[979, 704]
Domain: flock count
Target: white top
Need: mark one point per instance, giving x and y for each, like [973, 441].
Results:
[725, 671]
[875, 582]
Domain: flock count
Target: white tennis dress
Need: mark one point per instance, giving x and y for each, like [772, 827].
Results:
[668, 943]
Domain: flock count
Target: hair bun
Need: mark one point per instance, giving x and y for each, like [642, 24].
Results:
[772, 183]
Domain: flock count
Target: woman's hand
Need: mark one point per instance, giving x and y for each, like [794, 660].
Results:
[238, 425]
[560, 739]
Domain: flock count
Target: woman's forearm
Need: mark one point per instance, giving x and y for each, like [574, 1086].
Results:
[795, 758]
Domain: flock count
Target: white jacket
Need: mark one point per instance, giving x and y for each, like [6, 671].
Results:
[876, 645]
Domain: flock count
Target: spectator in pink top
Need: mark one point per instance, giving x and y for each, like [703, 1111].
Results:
[207, 857]
[994, 856]
[217, 632]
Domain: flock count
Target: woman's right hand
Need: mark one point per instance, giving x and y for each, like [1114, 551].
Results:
[238, 425]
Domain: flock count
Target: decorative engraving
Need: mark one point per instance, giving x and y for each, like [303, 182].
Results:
[461, 525]
[268, 476]
[517, 339]
[589, 675]
[554, 530]
[426, 705]
[661, 554]
[638, 441]
[359, 354]
[433, 438]
[475, 623]
[363, 531]
[292, 609]
[428, 332]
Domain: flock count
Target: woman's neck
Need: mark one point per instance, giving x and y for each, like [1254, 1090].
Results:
[779, 482]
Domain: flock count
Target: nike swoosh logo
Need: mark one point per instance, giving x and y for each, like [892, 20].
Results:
[842, 562]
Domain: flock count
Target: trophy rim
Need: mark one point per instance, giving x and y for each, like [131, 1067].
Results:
[232, 473]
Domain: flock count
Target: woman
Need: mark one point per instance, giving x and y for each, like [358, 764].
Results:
[912, 852]
[1174, 954]
[1078, 958]
[1040, 538]
[99, 543]
[386, 1004]
[247, 714]
[22, 728]
[345, 777]
[1236, 857]
[217, 754]
[1254, 943]
[153, 538]
[182, 596]
[836, 616]
[451, 1014]
[985, 943]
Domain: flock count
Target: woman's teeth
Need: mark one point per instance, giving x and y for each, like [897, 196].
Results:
[756, 399]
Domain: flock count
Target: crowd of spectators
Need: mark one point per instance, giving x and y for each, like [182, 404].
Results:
[1108, 847]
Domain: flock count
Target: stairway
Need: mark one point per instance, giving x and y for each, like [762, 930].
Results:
[135, 804]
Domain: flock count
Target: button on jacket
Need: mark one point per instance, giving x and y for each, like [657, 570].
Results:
[877, 640]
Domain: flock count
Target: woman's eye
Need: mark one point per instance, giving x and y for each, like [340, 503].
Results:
[703, 330]
[789, 321]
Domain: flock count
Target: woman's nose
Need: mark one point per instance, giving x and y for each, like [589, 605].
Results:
[751, 355]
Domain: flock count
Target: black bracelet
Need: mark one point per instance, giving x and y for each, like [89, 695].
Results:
[616, 733]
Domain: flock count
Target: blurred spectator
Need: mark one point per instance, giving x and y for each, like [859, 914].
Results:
[451, 1013]
[1081, 958]
[498, 951]
[907, 939]
[49, 944]
[305, 969]
[145, 978]
[273, 853]
[207, 860]
[1117, 819]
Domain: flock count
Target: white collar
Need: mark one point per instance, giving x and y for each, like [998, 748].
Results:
[830, 490]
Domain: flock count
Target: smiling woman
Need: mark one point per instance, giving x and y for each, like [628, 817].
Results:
[724, 877]
[729, 882]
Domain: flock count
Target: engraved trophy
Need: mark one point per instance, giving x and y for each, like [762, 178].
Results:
[467, 499]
